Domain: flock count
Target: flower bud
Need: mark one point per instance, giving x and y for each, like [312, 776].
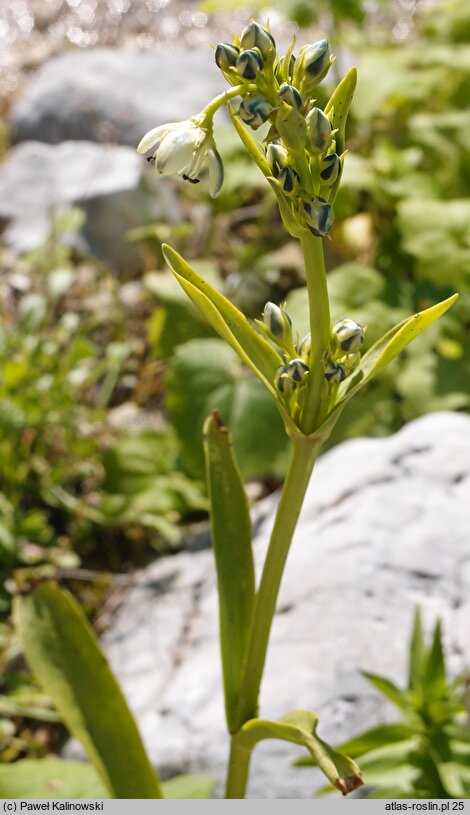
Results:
[283, 381]
[255, 36]
[319, 132]
[291, 127]
[298, 370]
[335, 372]
[254, 110]
[304, 347]
[249, 64]
[289, 181]
[226, 55]
[349, 335]
[277, 157]
[277, 324]
[329, 168]
[290, 95]
[312, 65]
[318, 215]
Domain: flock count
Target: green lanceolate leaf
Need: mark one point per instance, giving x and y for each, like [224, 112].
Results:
[381, 353]
[299, 727]
[417, 655]
[380, 736]
[388, 689]
[66, 658]
[231, 541]
[231, 324]
[434, 675]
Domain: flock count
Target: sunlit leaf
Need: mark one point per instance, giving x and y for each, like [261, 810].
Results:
[231, 542]
[66, 658]
[299, 727]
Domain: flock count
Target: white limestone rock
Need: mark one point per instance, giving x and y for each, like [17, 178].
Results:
[384, 528]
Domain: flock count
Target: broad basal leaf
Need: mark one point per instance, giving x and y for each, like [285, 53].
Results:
[66, 658]
[50, 778]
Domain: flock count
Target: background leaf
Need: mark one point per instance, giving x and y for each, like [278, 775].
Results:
[207, 374]
[66, 658]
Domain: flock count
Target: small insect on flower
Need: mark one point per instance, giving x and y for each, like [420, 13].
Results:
[187, 148]
[335, 372]
[349, 335]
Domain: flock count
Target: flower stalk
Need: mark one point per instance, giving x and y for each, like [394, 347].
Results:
[301, 156]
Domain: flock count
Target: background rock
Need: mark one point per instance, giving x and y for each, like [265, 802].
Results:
[114, 185]
[384, 528]
[114, 94]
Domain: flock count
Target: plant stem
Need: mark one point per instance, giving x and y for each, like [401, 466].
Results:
[303, 458]
[238, 766]
[320, 327]
[222, 99]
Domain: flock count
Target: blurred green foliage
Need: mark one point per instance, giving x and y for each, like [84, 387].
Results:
[426, 754]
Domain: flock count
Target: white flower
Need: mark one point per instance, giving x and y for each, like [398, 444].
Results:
[187, 148]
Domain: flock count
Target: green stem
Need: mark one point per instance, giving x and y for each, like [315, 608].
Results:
[238, 766]
[320, 328]
[303, 458]
[220, 100]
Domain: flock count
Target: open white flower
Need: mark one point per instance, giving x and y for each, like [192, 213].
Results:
[187, 148]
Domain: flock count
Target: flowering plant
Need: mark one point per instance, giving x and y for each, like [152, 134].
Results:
[310, 378]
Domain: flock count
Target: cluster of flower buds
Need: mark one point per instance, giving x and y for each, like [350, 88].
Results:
[291, 376]
[348, 338]
[300, 146]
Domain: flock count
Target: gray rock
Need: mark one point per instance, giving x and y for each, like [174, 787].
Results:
[115, 187]
[114, 94]
[384, 528]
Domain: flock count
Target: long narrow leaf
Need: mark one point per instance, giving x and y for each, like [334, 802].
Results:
[383, 352]
[299, 727]
[231, 540]
[417, 655]
[434, 675]
[66, 658]
[379, 736]
[388, 689]
[227, 320]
